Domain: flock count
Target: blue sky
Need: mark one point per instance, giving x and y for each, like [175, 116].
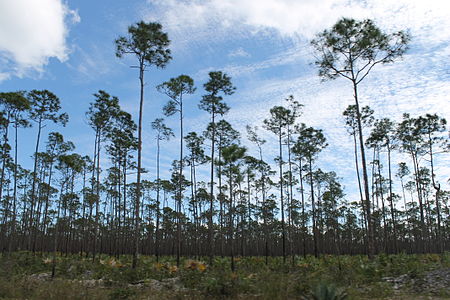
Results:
[67, 47]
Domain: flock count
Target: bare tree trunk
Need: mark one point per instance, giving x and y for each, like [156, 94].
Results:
[359, 181]
[137, 220]
[283, 231]
[211, 190]
[291, 239]
[370, 244]
[313, 207]
[180, 185]
[391, 200]
[419, 196]
[33, 187]
[97, 200]
[13, 224]
[5, 151]
[231, 223]
[303, 208]
[437, 187]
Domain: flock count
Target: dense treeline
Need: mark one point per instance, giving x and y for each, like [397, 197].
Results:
[287, 206]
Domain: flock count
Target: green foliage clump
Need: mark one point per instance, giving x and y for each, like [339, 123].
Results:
[324, 291]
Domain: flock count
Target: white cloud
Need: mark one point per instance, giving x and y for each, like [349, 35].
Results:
[32, 32]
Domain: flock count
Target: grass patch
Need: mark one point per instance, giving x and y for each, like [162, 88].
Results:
[27, 276]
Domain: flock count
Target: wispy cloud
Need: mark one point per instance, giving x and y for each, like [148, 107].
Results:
[288, 17]
[210, 22]
[91, 63]
[192, 22]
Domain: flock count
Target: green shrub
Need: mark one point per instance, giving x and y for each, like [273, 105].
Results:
[325, 291]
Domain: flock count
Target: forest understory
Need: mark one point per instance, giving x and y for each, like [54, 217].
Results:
[24, 275]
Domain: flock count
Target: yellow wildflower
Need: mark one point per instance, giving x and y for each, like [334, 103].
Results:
[201, 267]
[195, 265]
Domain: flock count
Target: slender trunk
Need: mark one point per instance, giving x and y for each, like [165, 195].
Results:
[34, 226]
[220, 196]
[283, 233]
[291, 239]
[383, 210]
[359, 180]
[47, 197]
[319, 220]
[249, 212]
[158, 186]
[313, 208]
[124, 235]
[194, 209]
[437, 187]
[83, 216]
[33, 186]
[211, 190]
[404, 198]
[370, 244]
[91, 204]
[180, 184]
[55, 236]
[97, 200]
[419, 196]
[138, 179]
[266, 233]
[4, 155]
[303, 208]
[22, 243]
[391, 200]
[374, 184]
[231, 221]
[13, 229]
